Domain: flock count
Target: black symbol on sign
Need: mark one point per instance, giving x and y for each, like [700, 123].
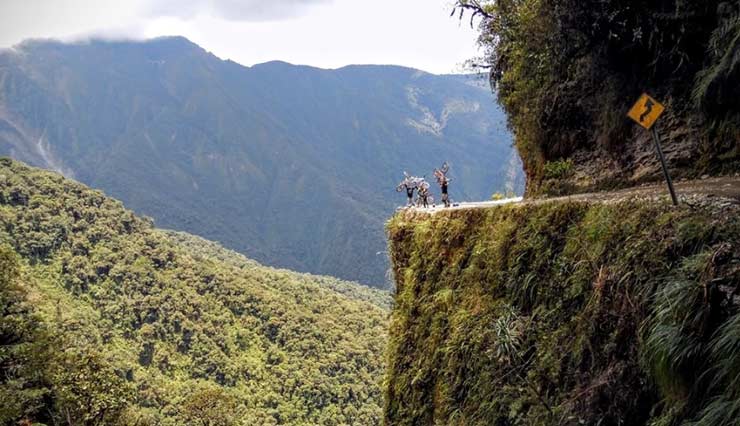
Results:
[648, 109]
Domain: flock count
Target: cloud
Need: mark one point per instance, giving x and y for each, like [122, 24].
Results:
[66, 19]
[232, 10]
[132, 31]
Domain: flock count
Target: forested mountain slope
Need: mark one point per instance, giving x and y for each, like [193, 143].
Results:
[107, 320]
[291, 165]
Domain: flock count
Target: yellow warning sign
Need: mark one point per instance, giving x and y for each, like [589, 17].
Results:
[646, 111]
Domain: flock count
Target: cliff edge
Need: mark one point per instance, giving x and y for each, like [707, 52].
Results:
[609, 312]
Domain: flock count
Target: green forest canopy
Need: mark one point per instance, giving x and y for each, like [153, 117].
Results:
[107, 320]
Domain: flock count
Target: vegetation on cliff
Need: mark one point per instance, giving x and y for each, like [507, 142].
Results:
[611, 313]
[567, 71]
[107, 320]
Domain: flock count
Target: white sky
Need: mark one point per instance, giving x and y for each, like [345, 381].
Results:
[323, 33]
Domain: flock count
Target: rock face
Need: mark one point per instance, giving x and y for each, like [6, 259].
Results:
[567, 72]
[691, 150]
[294, 166]
[566, 313]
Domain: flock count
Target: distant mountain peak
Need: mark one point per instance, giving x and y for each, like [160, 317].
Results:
[169, 42]
[174, 41]
[275, 63]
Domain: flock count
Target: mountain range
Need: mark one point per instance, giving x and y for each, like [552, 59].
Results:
[291, 165]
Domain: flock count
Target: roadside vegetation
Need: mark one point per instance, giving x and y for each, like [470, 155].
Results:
[564, 313]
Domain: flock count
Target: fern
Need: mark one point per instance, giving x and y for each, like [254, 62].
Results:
[724, 409]
[724, 52]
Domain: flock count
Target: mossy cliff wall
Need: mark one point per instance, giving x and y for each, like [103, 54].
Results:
[620, 313]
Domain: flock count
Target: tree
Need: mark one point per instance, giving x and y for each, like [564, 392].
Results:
[210, 406]
[24, 349]
[86, 389]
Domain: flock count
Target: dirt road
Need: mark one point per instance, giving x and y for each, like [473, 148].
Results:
[725, 188]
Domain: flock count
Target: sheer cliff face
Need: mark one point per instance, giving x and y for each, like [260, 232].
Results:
[567, 72]
[565, 313]
[294, 166]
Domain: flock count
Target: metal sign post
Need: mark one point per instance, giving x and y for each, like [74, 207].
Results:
[646, 112]
[667, 175]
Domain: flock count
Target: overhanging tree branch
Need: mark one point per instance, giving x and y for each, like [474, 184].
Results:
[474, 6]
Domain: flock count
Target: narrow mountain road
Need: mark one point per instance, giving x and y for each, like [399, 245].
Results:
[725, 188]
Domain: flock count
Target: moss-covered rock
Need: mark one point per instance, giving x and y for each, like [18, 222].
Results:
[619, 313]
